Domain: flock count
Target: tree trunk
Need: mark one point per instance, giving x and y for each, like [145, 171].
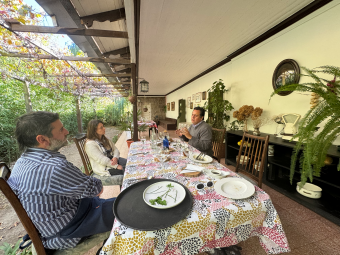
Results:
[80, 129]
[28, 102]
[135, 88]
[94, 108]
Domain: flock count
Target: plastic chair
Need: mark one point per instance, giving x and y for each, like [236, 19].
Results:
[252, 156]
[218, 136]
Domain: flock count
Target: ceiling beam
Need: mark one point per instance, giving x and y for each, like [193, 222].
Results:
[67, 58]
[125, 70]
[17, 27]
[117, 51]
[98, 83]
[90, 75]
[112, 16]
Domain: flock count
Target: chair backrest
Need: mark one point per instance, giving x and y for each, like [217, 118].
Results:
[218, 136]
[80, 141]
[19, 209]
[252, 156]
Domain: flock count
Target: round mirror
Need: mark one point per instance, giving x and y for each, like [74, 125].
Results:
[287, 72]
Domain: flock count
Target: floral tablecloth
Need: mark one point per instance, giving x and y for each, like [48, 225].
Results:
[215, 221]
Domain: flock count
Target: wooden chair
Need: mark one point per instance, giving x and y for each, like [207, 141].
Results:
[31, 230]
[218, 136]
[80, 141]
[252, 157]
[19, 209]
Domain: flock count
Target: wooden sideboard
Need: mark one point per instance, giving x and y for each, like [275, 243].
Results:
[276, 175]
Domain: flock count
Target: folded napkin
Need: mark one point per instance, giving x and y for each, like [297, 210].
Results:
[190, 168]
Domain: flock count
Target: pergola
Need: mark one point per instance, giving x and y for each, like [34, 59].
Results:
[170, 43]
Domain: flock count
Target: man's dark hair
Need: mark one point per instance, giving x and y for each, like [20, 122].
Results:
[202, 111]
[30, 125]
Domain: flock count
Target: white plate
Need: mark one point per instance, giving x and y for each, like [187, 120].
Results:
[163, 187]
[235, 188]
[207, 159]
[215, 176]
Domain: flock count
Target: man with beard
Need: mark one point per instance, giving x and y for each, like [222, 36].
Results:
[61, 201]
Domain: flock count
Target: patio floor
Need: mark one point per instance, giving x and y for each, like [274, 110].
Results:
[308, 233]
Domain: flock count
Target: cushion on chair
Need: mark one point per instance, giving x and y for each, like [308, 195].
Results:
[110, 180]
[83, 247]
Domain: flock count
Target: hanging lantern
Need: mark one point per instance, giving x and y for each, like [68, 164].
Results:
[144, 86]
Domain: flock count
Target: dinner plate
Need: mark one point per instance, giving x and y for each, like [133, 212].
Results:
[235, 188]
[172, 195]
[207, 159]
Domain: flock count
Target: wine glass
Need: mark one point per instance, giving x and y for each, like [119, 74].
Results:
[143, 139]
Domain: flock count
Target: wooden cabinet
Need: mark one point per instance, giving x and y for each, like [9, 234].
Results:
[277, 172]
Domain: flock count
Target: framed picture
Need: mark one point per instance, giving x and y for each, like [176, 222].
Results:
[198, 97]
[193, 97]
[204, 95]
[188, 102]
[168, 106]
[191, 105]
[172, 106]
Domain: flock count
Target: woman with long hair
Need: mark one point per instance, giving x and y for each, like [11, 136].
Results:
[103, 154]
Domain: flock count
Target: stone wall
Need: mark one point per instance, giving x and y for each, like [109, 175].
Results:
[157, 106]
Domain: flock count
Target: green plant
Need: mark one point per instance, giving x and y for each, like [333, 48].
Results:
[315, 145]
[9, 250]
[236, 125]
[127, 122]
[216, 106]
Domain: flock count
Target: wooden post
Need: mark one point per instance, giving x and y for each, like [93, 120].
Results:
[28, 103]
[134, 92]
[80, 129]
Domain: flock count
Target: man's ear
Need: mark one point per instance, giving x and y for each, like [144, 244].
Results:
[43, 141]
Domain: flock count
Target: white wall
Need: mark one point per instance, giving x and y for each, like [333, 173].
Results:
[311, 42]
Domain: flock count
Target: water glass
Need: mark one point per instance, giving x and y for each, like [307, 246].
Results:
[143, 139]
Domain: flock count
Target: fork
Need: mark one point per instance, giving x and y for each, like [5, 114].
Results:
[199, 156]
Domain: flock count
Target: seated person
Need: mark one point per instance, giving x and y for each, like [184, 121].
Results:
[103, 154]
[199, 134]
[61, 201]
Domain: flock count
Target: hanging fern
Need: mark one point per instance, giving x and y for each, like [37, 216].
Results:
[315, 146]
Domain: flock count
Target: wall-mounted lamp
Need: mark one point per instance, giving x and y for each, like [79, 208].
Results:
[144, 86]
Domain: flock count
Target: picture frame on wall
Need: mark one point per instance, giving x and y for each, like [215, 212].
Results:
[198, 97]
[188, 102]
[191, 105]
[168, 106]
[204, 95]
[193, 97]
[172, 106]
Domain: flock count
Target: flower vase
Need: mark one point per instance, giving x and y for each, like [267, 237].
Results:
[257, 131]
[245, 128]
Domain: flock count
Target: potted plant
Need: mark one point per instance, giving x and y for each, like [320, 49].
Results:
[216, 106]
[127, 125]
[132, 98]
[314, 145]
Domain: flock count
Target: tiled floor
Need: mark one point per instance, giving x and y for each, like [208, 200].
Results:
[308, 233]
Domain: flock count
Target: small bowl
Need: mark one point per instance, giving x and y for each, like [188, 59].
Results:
[216, 172]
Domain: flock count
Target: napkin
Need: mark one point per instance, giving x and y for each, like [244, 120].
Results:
[192, 168]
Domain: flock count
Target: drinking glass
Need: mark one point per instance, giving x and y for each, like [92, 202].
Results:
[143, 139]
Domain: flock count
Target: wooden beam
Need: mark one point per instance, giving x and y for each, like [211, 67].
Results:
[126, 70]
[117, 51]
[91, 75]
[67, 31]
[112, 16]
[67, 58]
[99, 83]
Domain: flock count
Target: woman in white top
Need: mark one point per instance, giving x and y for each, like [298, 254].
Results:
[103, 154]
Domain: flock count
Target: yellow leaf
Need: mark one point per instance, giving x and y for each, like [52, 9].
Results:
[17, 43]
[38, 15]
[9, 42]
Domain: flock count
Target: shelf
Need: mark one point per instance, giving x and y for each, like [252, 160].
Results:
[327, 206]
[282, 161]
[234, 147]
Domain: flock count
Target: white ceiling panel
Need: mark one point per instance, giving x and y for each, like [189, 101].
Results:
[179, 39]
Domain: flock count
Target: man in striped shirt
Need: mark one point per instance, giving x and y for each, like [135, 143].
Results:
[49, 187]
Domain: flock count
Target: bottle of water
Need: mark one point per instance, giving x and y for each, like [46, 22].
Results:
[165, 143]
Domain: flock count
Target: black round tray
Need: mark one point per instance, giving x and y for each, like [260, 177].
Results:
[131, 210]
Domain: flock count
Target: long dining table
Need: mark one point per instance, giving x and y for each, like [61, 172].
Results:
[214, 220]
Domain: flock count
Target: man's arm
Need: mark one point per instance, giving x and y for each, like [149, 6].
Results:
[67, 180]
[203, 142]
